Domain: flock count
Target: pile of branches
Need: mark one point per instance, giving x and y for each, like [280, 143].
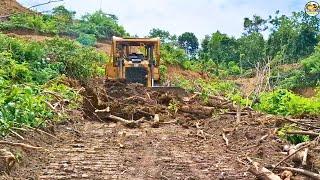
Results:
[301, 160]
[133, 103]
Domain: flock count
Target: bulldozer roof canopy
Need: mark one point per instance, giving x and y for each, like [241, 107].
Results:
[135, 41]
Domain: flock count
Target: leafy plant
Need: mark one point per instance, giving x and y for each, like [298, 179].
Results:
[87, 39]
[284, 102]
[294, 139]
[173, 106]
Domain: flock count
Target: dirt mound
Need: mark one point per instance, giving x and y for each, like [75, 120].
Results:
[8, 7]
[134, 101]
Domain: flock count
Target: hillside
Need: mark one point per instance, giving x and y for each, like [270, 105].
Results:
[230, 111]
[8, 7]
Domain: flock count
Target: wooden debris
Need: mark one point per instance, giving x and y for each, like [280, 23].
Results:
[129, 123]
[156, 121]
[16, 134]
[107, 110]
[300, 171]
[286, 175]
[292, 153]
[305, 156]
[309, 133]
[22, 145]
[261, 172]
[238, 113]
[225, 139]
[7, 160]
[297, 121]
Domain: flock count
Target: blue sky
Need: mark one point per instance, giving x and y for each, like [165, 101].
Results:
[177, 16]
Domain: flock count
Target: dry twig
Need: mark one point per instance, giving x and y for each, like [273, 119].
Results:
[225, 139]
[22, 145]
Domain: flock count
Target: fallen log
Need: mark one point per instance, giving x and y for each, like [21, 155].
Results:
[309, 133]
[300, 171]
[261, 172]
[198, 110]
[296, 121]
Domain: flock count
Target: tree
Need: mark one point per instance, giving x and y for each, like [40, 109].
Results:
[222, 48]
[63, 14]
[251, 49]
[204, 52]
[164, 35]
[257, 24]
[101, 24]
[293, 38]
[189, 42]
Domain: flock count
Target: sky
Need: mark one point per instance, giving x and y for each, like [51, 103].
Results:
[201, 17]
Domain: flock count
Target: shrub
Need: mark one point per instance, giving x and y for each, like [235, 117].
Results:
[28, 69]
[76, 61]
[284, 102]
[294, 139]
[87, 39]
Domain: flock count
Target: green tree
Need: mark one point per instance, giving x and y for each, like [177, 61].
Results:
[222, 48]
[252, 49]
[101, 24]
[189, 42]
[63, 14]
[293, 38]
[164, 35]
[257, 24]
[204, 51]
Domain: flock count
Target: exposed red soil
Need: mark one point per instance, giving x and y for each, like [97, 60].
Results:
[8, 7]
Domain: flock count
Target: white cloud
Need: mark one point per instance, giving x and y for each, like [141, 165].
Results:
[177, 16]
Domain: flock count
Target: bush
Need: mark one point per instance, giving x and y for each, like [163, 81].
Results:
[284, 102]
[172, 55]
[294, 139]
[61, 21]
[87, 39]
[74, 60]
[307, 74]
[28, 69]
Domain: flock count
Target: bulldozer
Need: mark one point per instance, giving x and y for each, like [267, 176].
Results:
[135, 60]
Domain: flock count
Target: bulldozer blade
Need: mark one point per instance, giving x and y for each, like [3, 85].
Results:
[169, 89]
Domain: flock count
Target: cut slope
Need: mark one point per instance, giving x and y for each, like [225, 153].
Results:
[8, 7]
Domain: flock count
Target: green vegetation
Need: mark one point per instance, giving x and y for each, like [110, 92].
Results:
[63, 22]
[294, 139]
[292, 51]
[284, 102]
[29, 70]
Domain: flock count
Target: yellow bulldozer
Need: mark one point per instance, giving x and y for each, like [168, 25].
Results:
[136, 60]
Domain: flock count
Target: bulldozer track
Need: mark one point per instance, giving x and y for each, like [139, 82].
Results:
[90, 156]
[92, 150]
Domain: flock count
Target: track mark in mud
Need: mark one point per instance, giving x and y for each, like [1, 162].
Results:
[90, 156]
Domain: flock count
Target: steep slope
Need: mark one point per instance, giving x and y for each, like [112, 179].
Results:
[8, 7]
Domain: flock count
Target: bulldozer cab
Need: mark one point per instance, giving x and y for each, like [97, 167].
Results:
[135, 59]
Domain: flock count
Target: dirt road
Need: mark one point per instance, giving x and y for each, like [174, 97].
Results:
[94, 150]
